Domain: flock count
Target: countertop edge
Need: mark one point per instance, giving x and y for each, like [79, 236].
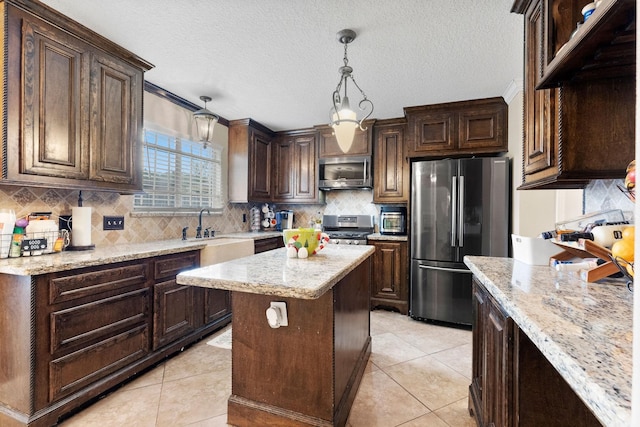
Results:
[569, 369]
[206, 276]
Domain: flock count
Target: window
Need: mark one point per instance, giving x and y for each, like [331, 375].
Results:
[179, 175]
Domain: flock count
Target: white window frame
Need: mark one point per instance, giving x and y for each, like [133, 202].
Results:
[180, 193]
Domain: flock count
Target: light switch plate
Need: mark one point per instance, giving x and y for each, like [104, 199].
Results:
[113, 223]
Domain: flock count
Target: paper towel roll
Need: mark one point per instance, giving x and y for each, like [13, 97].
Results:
[81, 226]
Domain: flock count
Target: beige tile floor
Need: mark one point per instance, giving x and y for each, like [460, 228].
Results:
[418, 375]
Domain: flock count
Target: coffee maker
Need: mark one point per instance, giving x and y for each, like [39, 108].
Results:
[284, 220]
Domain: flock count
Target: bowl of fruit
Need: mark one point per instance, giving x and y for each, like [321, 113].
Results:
[630, 182]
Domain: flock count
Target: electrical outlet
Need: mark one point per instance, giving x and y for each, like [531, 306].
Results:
[113, 223]
[64, 222]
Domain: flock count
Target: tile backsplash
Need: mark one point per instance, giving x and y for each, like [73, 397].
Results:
[605, 195]
[598, 195]
[145, 228]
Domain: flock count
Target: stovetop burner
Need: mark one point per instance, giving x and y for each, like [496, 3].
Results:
[348, 229]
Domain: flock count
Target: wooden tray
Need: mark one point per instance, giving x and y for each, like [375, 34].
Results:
[588, 249]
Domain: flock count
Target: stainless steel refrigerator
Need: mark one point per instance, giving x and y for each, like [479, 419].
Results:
[458, 207]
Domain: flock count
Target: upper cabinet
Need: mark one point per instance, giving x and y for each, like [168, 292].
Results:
[250, 161]
[390, 162]
[272, 167]
[582, 127]
[328, 144]
[457, 128]
[294, 169]
[73, 104]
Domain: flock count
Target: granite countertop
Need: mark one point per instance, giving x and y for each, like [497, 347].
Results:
[583, 329]
[69, 260]
[378, 236]
[272, 273]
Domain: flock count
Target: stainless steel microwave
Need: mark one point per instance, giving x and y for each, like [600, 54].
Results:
[345, 173]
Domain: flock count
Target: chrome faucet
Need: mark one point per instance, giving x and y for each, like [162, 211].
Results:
[199, 229]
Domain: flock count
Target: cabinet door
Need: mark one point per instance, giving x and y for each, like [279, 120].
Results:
[391, 177]
[432, 132]
[498, 374]
[361, 146]
[54, 94]
[479, 306]
[389, 285]
[259, 166]
[540, 115]
[305, 169]
[483, 129]
[283, 172]
[217, 303]
[116, 120]
[173, 312]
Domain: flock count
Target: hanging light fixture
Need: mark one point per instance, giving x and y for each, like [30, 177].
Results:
[205, 122]
[343, 119]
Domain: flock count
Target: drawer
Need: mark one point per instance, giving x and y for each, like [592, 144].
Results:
[77, 370]
[95, 321]
[107, 280]
[171, 265]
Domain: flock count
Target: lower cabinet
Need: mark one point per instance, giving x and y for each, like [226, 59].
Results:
[492, 368]
[512, 383]
[390, 278]
[263, 245]
[70, 336]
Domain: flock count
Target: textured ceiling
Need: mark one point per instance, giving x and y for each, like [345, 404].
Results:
[277, 61]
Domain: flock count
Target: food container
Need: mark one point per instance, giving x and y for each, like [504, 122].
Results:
[533, 250]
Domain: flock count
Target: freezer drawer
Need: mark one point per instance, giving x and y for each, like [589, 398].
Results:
[440, 291]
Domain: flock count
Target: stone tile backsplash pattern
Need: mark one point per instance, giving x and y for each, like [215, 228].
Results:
[603, 194]
[148, 228]
[599, 195]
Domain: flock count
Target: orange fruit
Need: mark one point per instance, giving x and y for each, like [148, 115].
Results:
[623, 249]
[629, 233]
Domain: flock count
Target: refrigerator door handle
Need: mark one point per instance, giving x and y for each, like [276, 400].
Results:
[454, 203]
[452, 270]
[461, 212]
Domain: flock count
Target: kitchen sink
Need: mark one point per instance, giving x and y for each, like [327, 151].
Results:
[221, 249]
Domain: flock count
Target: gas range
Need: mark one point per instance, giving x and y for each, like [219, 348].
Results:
[348, 229]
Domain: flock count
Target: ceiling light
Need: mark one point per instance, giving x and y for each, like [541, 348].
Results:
[205, 122]
[343, 119]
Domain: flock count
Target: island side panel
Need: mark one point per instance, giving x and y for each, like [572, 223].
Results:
[285, 372]
[15, 348]
[352, 335]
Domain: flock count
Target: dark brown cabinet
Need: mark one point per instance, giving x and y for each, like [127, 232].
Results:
[512, 383]
[390, 278]
[174, 305]
[361, 146]
[491, 390]
[295, 174]
[267, 244]
[74, 117]
[391, 164]
[250, 161]
[457, 128]
[579, 102]
[70, 336]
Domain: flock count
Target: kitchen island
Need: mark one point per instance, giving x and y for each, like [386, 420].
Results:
[553, 346]
[306, 373]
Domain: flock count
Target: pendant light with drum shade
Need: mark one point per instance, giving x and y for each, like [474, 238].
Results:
[205, 122]
[343, 119]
